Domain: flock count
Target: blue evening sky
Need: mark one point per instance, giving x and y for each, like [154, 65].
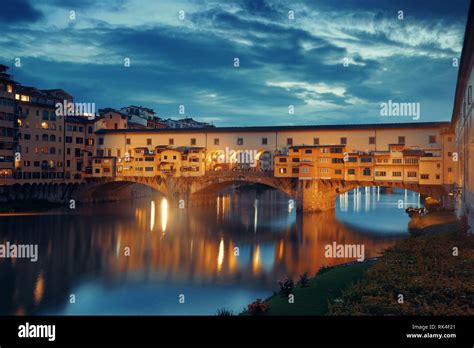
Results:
[283, 61]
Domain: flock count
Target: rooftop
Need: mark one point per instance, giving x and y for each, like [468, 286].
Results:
[370, 126]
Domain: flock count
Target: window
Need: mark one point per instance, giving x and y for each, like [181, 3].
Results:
[411, 174]
[193, 141]
[295, 160]
[101, 141]
[308, 151]
[366, 172]
[170, 141]
[377, 173]
[216, 141]
[289, 141]
[52, 137]
[366, 159]
[77, 152]
[371, 140]
[432, 139]
[45, 115]
[264, 141]
[351, 171]
[343, 141]
[411, 160]
[81, 140]
[282, 160]
[437, 176]
[315, 141]
[44, 137]
[128, 141]
[424, 176]
[89, 130]
[240, 141]
[397, 174]
[148, 141]
[295, 170]
[338, 171]
[323, 170]
[401, 140]
[352, 159]
[282, 170]
[397, 161]
[305, 170]
[337, 160]
[469, 95]
[450, 170]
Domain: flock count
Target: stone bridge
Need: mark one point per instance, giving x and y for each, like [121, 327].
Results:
[309, 195]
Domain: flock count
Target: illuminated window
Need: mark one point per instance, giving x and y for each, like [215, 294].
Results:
[9, 88]
[44, 125]
[25, 98]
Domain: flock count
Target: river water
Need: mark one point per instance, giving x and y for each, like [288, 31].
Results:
[145, 257]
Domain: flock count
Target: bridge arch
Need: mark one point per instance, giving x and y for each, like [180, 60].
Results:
[113, 188]
[212, 184]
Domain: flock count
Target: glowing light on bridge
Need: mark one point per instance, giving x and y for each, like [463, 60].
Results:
[152, 215]
[164, 214]
[220, 255]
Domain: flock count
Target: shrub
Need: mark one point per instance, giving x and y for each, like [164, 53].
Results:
[257, 307]
[304, 280]
[286, 286]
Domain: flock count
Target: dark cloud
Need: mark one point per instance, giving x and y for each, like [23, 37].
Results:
[193, 64]
[18, 11]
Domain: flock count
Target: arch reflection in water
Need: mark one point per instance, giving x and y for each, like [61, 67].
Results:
[83, 254]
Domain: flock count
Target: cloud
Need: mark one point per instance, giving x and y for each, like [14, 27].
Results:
[18, 11]
[282, 62]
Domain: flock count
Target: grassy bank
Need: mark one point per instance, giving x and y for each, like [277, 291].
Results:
[433, 272]
[27, 206]
[313, 299]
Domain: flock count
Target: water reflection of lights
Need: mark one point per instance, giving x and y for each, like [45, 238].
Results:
[164, 214]
[152, 215]
[220, 256]
[291, 205]
[256, 259]
[255, 216]
[39, 288]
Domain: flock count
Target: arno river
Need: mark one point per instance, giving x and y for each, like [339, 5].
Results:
[190, 252]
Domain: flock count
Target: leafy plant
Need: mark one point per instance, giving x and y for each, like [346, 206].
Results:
[286, 286]
[304, 280]
[257, 307]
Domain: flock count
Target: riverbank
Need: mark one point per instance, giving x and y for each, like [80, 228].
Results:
[325, 287]
[429, 273]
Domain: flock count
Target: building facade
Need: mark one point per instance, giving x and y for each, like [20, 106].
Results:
[463, 124]
[8, 124]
